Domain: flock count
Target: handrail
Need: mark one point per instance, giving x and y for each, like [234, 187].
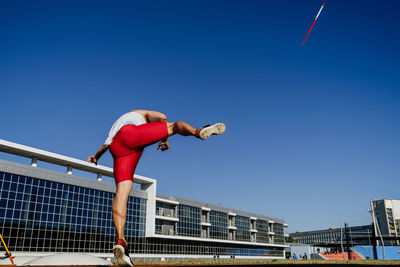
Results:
[71, 163]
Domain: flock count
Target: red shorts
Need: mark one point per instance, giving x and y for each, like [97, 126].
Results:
[128, 144]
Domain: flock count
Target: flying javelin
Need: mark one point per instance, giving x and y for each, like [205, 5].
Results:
[319, 12]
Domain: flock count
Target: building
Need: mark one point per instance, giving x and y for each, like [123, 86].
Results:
[45, 211]
[385, 226]
[334, 236]
[386, 218]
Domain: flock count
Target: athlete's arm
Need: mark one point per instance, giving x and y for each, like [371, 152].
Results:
[94, 159]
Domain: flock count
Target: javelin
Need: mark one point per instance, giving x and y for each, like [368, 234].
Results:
[313, 22]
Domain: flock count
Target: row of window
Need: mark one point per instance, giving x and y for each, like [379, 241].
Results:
[190, 219]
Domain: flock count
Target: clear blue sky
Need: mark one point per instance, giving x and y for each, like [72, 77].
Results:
[312, 131]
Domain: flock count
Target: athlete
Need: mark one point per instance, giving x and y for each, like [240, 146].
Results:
[128, 137]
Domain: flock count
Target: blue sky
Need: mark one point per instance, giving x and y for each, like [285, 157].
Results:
[312, 131]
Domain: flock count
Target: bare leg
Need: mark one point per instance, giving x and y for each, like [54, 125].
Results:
[119, 207]
[180, 127]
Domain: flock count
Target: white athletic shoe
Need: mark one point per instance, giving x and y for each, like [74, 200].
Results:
[120, 255]
[207, 131]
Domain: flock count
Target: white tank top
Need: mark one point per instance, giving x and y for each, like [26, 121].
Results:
[128, 118]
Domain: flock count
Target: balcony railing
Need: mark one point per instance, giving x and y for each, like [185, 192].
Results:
[70, 163]
[165, 231]
[166, 212]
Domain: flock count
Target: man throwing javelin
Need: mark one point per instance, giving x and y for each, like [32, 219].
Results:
[128, 137]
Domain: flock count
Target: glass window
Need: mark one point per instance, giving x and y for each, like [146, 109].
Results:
[243, 228]
[189, 221]
[6, 185]
[219, 224]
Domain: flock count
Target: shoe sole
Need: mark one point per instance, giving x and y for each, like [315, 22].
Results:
[218, 128]
[122, 259]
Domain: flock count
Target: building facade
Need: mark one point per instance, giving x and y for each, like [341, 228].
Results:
[45, 211]
[386, 218]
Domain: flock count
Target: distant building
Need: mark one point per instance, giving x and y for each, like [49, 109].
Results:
[332, 236]
[386, 217]
[386, 223]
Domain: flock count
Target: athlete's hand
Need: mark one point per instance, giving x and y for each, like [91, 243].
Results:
[92, 159]
[164, 145]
